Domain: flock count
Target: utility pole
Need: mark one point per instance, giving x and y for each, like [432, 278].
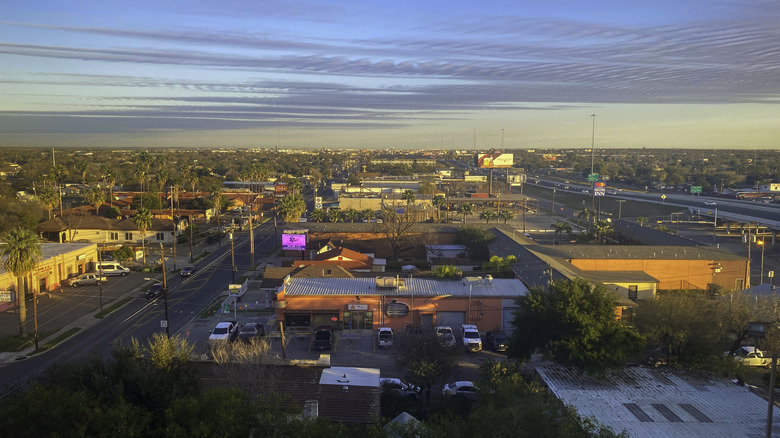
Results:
[174, 231]
[165, 291]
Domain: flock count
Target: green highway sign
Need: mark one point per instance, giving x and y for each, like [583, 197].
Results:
[593, 177]
[695, 189]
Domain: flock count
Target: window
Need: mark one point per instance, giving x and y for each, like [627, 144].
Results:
[128, 236]
[740, 284]
[160, 236]
[633, 291]
[114, 236]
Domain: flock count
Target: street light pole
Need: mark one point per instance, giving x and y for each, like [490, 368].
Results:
[552, 207]
[592, 142]
[620, 207]
[761, 278]
[232, 257]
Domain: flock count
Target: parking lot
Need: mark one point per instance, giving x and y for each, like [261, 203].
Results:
[354, 348]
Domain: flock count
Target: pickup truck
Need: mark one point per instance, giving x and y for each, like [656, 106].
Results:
[471, 339]
[323, 339]
[224, 331]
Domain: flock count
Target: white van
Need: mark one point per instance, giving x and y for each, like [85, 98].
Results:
[111, 268]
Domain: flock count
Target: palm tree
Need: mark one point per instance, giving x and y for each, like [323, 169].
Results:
[82, 167]
[409, 197]
[488, 215]
[437, 202]
[560, 228]
[367, 214]
[143, 220]
[585, 214]
[335, 216]
[641, 220]
[109, 176]
[506, 215]
[350, 215]
[294, 185]
[291, 207]
[215, 195]
[465, 209]
[317, 215]
[95, 196]
[602, 228]
[21, 253]
[49, 197]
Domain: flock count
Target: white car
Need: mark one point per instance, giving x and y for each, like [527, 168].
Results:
[400, 387]
[710, 203]
[751, 357]
[463, 388]
[471, 339]
[385, 337]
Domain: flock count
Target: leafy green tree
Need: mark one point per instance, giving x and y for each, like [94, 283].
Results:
[124, 253]
[683, 326]
[21, 254]
[476, 240]
[574, 323]
[148, 200]
[353, 180]
[425, 358]
[291, 207]
[500, 266]
[143, 220]
[448, 271]
[641, 220]
[112, 213]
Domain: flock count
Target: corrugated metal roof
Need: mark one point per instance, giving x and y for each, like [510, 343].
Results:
[499, 287]
[649, 402]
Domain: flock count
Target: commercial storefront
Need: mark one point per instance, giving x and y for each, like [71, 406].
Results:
[396, 302]
[58, 262]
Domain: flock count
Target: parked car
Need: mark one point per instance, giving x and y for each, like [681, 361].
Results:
[111, 268]
[86, 279]
[470, 337]
[224, 331]
[464, 389]
[400, 387]
[752, 357]
[251, 330]
[187, 271]
[496, 341]
[154, 291]
[323, 339]
[385, 337]
[445, 335]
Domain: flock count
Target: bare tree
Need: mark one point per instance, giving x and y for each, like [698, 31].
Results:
[248, 365]
[397, 229]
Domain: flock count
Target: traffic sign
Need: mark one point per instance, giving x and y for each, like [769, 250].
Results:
[593, 177]
[695, 189]
[663, 197]
[163, 323]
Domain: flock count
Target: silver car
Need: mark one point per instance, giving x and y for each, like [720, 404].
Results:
[85, 280]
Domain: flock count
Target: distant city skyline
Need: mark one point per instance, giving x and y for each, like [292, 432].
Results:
[426, 75]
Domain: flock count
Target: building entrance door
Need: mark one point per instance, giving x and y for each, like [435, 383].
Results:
[359, 320]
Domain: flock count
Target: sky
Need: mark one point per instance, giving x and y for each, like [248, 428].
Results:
[405, 74]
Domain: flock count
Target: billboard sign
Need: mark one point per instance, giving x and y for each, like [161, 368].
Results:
[495, 160]
[280, 189]
[293, 242]
[475, 178]
[599, 188]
